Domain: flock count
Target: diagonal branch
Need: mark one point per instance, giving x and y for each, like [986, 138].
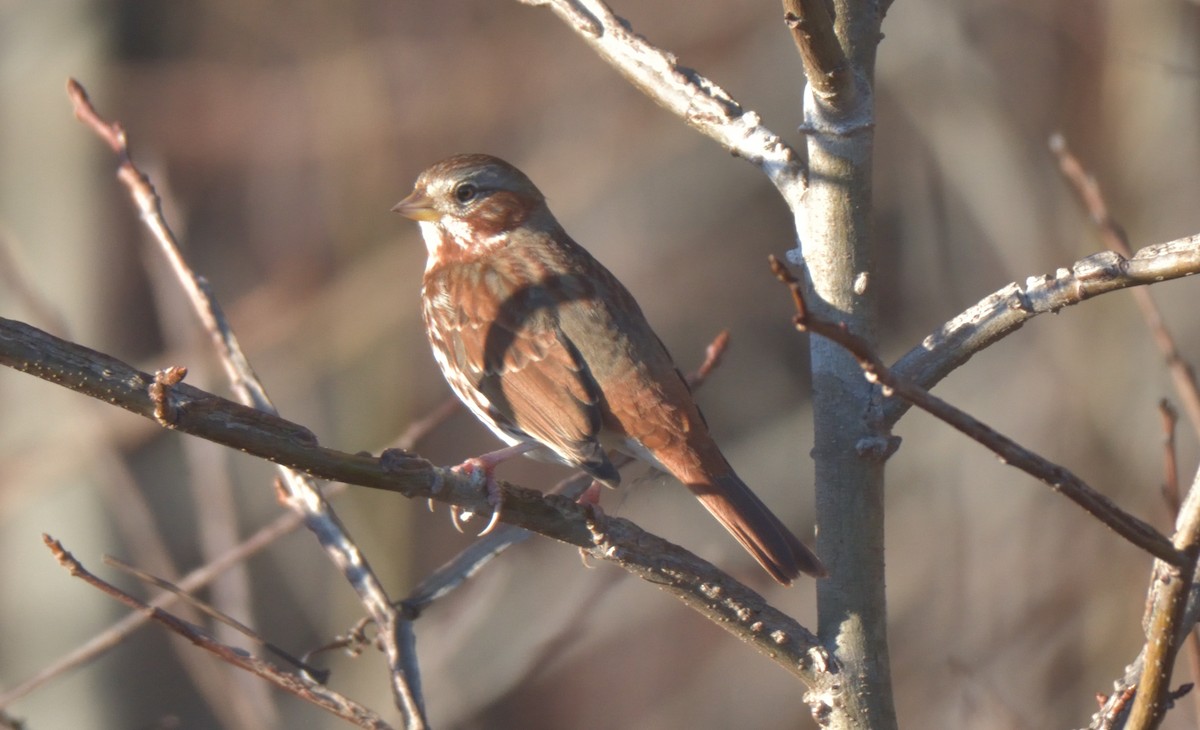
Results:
[298, 685]
[1010, 452]
[682, 91]
[184, 408]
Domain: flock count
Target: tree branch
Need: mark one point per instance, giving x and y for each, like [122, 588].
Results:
[694, 581]
[298, 685]
[1115, 239]
[1006, 310]
[682, 91]
[1010, 452]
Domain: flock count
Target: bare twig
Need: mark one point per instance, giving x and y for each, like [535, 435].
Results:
[696, 582]
[1115, 239]
[140, 533]
[303, 494]
[1170, 419]
[1055, 476]
[123, 628]
[684, 92]
[220, 616]
[1006, 310]
[297, 685]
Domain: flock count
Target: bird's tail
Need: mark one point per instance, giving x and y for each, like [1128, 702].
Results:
[745, 516]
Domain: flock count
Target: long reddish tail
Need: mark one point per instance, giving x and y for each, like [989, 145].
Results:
[757, 528]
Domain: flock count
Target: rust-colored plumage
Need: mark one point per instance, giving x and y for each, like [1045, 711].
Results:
[544, 345]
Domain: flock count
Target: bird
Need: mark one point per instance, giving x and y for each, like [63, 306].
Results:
[548, 349]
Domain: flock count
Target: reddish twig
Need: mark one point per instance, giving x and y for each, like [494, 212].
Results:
[1057, 477]
[297, 685]
[1170, 487]
[1116, 239]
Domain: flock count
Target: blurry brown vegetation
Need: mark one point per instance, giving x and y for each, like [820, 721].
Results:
[281, 133]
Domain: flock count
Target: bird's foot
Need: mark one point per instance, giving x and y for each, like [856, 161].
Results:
[487, 464]
[591, 496]
[590, 501]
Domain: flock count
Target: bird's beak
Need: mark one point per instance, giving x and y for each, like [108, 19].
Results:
[417, 206]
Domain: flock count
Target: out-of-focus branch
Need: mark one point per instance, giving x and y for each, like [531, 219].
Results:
[1053, 475]
[283, 524]
[1115, 239]
[15, 281]
[1006, 310]
[300, 686]
[696, 582]
[684, 92]
[302, 494]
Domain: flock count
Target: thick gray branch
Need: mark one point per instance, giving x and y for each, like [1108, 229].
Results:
[1005, 311]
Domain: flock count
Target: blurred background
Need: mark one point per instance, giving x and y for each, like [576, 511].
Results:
[280, 133]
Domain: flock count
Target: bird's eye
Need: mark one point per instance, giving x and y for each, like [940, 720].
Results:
[465, 192]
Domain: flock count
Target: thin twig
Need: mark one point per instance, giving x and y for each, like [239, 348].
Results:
[317, 674]
[141, 534]
[1116, 239]
[303, 494]
[1010, 452]
[297, 685]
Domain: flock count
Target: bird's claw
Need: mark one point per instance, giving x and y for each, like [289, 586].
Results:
[495, 497]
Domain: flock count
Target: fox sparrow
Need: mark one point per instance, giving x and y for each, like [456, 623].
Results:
[550, 351]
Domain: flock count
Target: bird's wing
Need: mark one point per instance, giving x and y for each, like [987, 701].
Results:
[532, 376]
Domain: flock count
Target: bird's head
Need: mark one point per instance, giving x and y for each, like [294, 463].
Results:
[468, 204]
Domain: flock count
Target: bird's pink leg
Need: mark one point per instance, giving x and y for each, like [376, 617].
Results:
[488, 463]
[590, 497]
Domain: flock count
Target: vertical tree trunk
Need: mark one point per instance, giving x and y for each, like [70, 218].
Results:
[834, 227]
